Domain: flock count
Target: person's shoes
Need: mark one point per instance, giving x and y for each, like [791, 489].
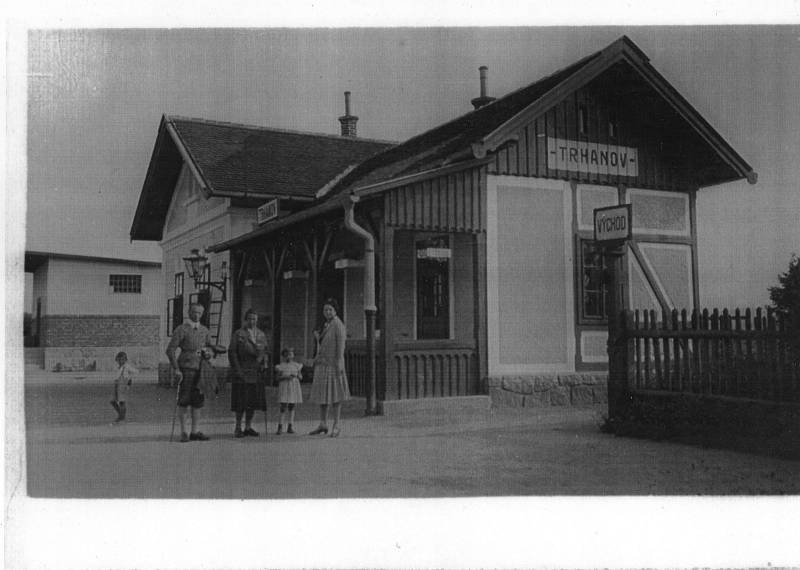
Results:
[280, 430]
[238, 433]
[290, 429]
[198, 436]
[318, 431]
[335, 432]
[251, 432]
[184, 437]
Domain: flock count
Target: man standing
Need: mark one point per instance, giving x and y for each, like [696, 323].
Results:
[193, 339]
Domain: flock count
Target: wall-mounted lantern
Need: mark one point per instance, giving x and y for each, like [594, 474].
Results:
[196, 264]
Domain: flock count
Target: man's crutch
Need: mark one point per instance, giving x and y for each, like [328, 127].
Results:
[175, 412]
[264, 376]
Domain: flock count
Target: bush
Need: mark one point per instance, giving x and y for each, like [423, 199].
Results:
[785, 299]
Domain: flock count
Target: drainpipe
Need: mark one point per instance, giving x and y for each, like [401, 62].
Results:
[370, 309]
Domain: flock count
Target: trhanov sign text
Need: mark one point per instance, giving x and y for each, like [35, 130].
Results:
[597, 158]
[612, 224]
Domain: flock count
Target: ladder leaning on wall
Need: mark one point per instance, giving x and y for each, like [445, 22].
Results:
[212, 316]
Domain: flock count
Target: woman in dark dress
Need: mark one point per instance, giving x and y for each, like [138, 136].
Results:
[248, 357]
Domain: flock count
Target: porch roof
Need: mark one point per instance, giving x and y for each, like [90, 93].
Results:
[241, 161]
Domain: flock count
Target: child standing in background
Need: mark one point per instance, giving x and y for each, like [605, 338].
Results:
[122, 385]
[289, 392]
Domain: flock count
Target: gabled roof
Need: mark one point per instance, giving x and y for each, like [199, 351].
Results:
[34, 259]
[468, 139]
[478, 132]
[241, 161]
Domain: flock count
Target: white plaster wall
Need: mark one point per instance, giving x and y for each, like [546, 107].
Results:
[201, 224]
[242, 221]
[530, 276]
[81, 287]
[175, 249]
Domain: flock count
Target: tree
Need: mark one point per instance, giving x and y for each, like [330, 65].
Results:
[785, 299]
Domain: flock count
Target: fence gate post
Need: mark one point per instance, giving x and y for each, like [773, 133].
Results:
[618, 332]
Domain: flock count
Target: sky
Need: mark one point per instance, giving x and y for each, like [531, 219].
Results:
[95, 98]
[91, 109]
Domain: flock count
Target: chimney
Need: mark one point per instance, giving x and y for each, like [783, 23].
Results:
[347, 120]
[479, 102]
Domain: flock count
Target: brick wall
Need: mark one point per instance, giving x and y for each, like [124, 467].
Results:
[100, 330]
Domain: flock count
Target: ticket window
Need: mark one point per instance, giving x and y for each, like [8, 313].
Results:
[433, 288]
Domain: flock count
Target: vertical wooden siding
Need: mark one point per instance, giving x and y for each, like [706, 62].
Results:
[434, 373]
[453, 202]
[528, 155]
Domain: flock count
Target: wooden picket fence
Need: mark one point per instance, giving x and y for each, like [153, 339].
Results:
[741, 355]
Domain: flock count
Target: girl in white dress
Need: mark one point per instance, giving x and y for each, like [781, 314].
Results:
[289, 392]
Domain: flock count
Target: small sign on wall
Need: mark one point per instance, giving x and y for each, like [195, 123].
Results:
[268, 211]
[612, 224]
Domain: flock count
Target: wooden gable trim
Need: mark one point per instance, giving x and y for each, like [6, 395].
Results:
[188, 158]
[695, 119]
[507, 131]
[334, 181]
[621, 50]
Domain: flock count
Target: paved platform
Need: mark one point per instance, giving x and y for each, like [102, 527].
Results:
[462, 404]
[73, 451]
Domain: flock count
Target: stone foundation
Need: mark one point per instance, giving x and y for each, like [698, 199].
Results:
[552, 389]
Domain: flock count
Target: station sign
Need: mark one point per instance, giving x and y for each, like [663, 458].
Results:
[612, 224]
[589, 157]
[268, 211]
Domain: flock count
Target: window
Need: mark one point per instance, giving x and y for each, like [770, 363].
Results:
[175, 305]
[125, 283]
[433, 288]
[178, 284]
[593, 288]
[612, 125]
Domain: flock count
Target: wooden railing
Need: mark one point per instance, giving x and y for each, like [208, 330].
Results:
[357, 367]
[431, 373]
[742, 355]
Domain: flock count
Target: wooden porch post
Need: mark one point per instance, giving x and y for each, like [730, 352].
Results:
[618, 357]
[390, 386]
[480, 300]
[239, 261]
[316, 254]
[274, 262]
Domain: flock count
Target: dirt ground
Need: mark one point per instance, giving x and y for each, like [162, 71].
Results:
[72, 451]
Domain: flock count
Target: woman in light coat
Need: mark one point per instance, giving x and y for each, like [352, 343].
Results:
[330, 381]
